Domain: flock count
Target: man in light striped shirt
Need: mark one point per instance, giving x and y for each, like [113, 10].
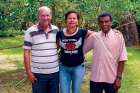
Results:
[40, 54]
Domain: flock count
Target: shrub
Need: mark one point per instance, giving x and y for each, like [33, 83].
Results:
[10, 32]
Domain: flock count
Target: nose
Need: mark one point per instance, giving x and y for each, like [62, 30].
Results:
[45, 17]
[72, 19]
[104, 23]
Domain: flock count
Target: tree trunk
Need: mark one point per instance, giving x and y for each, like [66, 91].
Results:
[130, 30]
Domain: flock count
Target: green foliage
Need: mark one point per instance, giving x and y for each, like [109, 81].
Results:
[11, 32]
[17, 13]
[11, 41]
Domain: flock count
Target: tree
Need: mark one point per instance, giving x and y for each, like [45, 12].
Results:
[16, 14]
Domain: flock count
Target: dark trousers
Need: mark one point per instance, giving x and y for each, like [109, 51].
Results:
[99, 87]
[46, 83]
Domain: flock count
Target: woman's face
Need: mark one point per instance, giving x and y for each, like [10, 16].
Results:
[72, 20]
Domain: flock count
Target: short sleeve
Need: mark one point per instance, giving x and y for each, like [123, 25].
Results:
[123, 52]
[27, 40]
[58, 35]
[84, 32]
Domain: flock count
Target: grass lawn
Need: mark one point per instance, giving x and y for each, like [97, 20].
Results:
[131, 80]
[13, 78]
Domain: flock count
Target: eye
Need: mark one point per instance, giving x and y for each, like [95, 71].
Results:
[106, 21]
[74, 18]
[47, 15]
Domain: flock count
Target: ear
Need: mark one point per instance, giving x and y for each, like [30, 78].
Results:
[51, 16]
[111, 23]
[37, 17]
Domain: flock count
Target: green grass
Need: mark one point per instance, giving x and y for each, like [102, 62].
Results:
[11, 42]
[11, 69]
[131, 80]
[13, 57]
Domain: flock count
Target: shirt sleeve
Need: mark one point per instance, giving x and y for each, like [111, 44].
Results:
[85, 32]
[27, 40]
[123, 51]
[58, 35]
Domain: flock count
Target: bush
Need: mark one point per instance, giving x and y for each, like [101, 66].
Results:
[10, 33]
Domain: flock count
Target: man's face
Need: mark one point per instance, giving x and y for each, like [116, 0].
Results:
[105, 23]
[44, 17]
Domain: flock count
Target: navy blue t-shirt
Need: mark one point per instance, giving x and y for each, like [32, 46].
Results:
[71, 48]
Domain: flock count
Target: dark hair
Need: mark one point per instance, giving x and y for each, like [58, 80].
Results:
[104, 15]
[72, 11]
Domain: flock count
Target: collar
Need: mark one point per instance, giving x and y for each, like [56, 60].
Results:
[106, 34]
[64, 30]
[41, 30]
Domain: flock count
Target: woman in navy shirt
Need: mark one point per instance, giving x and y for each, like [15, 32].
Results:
[71, 40]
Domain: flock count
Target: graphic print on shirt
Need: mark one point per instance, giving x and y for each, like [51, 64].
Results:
[71, 45]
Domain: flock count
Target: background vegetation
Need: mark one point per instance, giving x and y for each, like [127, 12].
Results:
[15, 15]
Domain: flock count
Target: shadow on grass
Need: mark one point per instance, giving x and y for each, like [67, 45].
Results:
[7, 76]
[14, 81]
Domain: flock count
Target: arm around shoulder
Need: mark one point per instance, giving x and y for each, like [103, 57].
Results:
[88, 43]
[89, 32]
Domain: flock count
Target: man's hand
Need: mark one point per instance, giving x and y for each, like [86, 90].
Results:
[120, 68]
[32, 77]
[117, 84]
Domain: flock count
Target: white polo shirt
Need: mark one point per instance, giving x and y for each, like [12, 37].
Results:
[44, 58]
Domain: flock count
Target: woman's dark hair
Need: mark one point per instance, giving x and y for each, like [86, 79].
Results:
[104, 15]
[72, 11]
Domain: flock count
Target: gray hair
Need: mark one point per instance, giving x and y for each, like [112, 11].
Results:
[44, 8]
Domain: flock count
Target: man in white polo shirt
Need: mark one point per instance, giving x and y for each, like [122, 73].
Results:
[40, 54]
[109, 57]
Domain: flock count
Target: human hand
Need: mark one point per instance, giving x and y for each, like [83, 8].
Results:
[31, 77]
[117, 84]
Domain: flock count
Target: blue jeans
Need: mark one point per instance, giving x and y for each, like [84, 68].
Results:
[46, 83]
[71, 76]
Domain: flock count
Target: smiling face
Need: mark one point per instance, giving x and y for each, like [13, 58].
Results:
[72, 20]
[44, 16]
[105, 23]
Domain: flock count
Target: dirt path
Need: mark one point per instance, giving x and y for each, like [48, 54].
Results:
[6, 65]
[10, 74]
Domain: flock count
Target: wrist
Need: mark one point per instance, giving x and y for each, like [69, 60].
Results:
[28, 72]
[119, 77]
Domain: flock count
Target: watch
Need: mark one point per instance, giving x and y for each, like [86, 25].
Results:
[119, 77]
